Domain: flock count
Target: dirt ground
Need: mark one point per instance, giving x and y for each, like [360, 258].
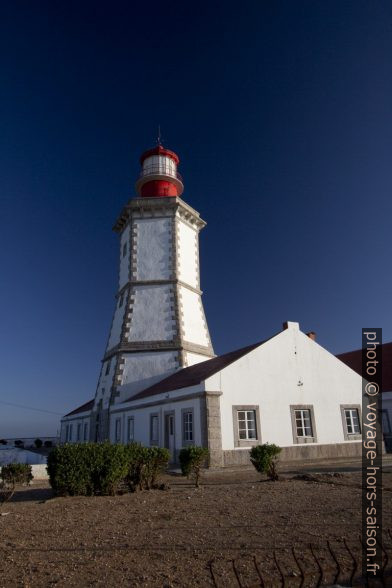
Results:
[184, 536]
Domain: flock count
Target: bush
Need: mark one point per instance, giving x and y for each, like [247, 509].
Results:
[103, 468]
[3, 441]
[11, 476]
[264, 458]
[192, 459]
[38, 443]
[16, 473]
[19, 443]
[48, 444]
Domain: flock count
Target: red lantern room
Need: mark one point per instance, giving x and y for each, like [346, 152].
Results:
[159, 176]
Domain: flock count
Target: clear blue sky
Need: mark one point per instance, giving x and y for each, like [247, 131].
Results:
[281, 114]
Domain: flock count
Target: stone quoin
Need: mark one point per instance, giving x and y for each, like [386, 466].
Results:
[160, 382]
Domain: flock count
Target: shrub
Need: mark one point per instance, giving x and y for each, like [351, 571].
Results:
[264, 458]
[16, 473]
[3, 441]
[192, 459]
[48, 444]
[103, 468]
[11, 476]
[19, 443]
[38, 443]
[145, 464]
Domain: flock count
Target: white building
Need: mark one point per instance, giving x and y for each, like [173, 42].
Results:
[160, 383]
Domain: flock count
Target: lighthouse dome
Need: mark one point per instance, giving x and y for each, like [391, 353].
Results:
[159, 176]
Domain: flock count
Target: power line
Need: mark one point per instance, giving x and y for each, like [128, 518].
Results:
[30, 408]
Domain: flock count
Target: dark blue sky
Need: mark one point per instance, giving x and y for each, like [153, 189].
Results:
[281, 115]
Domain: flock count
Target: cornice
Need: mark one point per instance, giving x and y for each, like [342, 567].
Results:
[155, 208]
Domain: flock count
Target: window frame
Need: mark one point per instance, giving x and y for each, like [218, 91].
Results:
[246, 408]
[130, 419]
[117, 430]
[108, 366]
[79, 432]
[185, 411]
[154, 442]
[124, 249]
[85, 432]
[351, 436]
[299, 439]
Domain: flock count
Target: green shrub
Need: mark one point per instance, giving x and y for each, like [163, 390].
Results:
[38, 443]
[145, 464]
[103, 468]
[3, 441]
[11, 476]
[19, 443]
[48, 444]
[16, 473]
[264, 459]
[192, 459]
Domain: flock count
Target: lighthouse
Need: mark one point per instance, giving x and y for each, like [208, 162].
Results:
[158, 324]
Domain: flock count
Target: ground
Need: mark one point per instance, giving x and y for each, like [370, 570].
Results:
[168, 538]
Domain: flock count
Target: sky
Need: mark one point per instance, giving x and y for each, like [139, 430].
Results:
[280, 112]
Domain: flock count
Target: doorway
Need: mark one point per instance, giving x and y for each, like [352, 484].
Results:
[170, 437]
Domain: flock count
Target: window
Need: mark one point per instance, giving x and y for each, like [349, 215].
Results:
[85, 432]
[66, 433]
[246, 426]
[70, 433]
[187, 426]
[108, 367]
[79, 432]
[121, 300]
[124, 249]
[154, 430]
[351, 421]
[130, 429]
[117, 433]
[303, 423]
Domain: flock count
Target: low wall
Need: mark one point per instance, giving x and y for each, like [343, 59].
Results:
[298, 453]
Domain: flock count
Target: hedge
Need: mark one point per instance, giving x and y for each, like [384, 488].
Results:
[102, 468]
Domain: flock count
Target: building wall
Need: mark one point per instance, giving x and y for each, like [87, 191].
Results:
[193, 321]
[153, 244]
[152, 314]
[290, 369]
[118, 318]
[188, 254]
[73, 421]
[124, 259]
[142, 416]
[143, 369]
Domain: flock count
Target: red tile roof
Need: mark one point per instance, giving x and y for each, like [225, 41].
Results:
[354, 360]
[83, 408]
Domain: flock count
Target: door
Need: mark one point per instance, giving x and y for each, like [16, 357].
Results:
[170, 436]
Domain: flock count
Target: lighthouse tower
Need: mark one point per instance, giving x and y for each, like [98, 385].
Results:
[159, 324]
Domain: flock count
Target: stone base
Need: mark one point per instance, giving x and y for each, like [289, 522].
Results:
[298, 452]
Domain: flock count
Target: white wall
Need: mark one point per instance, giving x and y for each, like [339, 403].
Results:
[192, 358]
[81, 418]
[153, 248]
[269, 376]
[193, 317]
[152, 315]
[115, 331]
[124, 260]
[142, 422]
[188, 253]
[143, 369]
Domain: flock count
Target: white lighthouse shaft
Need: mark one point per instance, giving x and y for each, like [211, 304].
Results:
[159, 324]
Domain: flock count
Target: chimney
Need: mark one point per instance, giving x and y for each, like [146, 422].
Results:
[312, 335]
